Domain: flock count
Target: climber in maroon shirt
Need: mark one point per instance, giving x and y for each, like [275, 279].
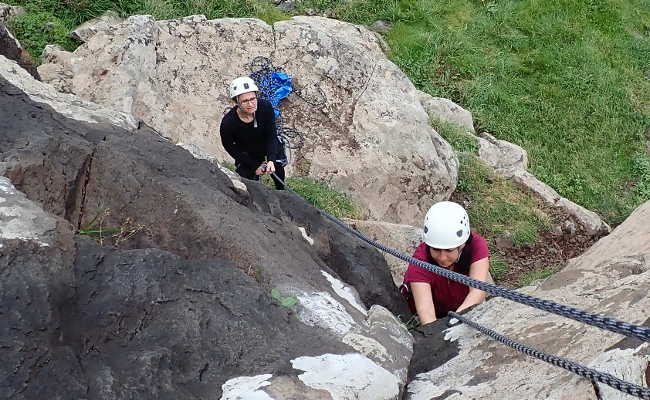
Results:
[448, 243]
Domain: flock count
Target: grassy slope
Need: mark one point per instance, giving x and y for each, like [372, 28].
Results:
[569, 80]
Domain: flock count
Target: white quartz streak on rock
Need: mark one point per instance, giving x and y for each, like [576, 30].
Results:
[625, 364]
[320, 309]
[345, 292]
[246, 387]
[21, 218]
[305, 235]
[347, 376]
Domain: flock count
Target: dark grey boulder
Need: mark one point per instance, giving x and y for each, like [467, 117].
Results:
[183, 205]
[149, 324]
[175, 299]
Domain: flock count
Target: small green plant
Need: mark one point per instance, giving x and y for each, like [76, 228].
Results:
[228, 165]
[411, 322]
[457, 136]
[95, 229]
[284, 301]
[641, 169]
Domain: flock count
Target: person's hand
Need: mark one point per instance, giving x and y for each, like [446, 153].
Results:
[455, 321]
[270, 167]
[427, 330]
[261, 170]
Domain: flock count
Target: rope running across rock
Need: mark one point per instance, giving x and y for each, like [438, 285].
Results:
[569, 365]
[606, 323]
[599, 321]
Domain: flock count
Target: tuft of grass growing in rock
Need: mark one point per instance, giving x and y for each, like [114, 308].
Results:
[535, 275]
[322, 196]
[228, 165]
[641, 168]
[498, 207]
[498, 267]
[457, 136]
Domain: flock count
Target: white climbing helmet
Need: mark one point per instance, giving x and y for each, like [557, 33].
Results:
[241, 85]
[446, 225]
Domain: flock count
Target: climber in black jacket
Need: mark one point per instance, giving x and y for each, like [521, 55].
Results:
[248, 133]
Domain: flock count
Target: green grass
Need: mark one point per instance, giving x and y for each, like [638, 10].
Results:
[457, 136]
[497, 207]
[228, 165]
[641, 168]
[534, 275]
[38, 29]
[321, 195]
[498, 266]
[565, 79]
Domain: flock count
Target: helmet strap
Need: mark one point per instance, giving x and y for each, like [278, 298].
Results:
[460, 253]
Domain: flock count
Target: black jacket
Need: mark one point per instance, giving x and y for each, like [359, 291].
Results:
[247, 144]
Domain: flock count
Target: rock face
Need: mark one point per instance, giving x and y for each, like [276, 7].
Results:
[364, 127]
[88, 29]
[65, 104]
[56, 69]
[612, 278]
[446, 110]
[203, 290]
[7, 12]
[500, 154]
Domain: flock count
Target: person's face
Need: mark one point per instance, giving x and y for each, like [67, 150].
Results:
[445, 257]
[248, 102]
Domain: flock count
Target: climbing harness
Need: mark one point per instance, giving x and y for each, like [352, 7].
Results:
[599, 321]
